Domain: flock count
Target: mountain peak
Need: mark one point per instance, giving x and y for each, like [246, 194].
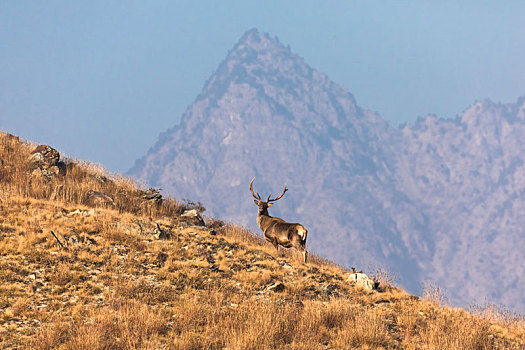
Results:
[416, 201]
[258, 49]
[261, 63]
[254, 55]
[257, 41]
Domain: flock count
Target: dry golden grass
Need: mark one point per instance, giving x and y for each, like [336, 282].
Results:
[114, 285]
[18, 180]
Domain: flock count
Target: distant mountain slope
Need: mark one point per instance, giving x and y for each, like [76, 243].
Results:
[371, 195]
[469, 175]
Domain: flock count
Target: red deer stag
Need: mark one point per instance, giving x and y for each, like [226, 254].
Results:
[276, 230]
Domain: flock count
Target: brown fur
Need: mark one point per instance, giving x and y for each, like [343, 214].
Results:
[276, 230]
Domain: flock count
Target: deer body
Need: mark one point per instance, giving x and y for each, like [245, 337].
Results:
[276, 230]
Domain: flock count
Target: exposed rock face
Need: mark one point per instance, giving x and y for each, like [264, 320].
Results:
[152, 196]
[192, 217]
[45, 156]
[422, 201]
[468, 176]
[361, 280]
[45, 161]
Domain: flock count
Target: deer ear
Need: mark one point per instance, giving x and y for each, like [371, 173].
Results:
[256, 202]
[270, 204]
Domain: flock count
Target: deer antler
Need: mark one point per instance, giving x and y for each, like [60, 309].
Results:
[277, 198]
[258, 197]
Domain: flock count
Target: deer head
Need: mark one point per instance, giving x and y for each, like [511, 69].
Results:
[264, 205]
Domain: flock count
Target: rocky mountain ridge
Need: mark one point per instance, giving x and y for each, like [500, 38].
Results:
[437, 201]
[468, 174]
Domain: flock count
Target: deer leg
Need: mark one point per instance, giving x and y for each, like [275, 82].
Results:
[303, 250]
[300, 244]
[276, 245]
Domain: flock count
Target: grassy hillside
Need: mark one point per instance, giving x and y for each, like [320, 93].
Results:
[78, 274]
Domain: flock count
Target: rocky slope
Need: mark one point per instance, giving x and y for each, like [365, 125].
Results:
[139, 272]
[372, 195]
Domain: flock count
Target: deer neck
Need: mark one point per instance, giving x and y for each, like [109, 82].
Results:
[262, 216]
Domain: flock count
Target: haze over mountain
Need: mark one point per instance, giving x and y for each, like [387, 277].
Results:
[439, 201]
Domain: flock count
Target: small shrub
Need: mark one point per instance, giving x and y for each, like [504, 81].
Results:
[434, 294]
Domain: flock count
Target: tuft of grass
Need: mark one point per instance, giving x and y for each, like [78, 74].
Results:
[434, 294]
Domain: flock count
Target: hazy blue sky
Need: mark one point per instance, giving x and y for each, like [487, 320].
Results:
[100, 80]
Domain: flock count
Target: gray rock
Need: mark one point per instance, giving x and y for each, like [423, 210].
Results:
[152, 196]
[192, 213]
[44, 156]
[192, 217]
[361, 280]
[45, 162]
